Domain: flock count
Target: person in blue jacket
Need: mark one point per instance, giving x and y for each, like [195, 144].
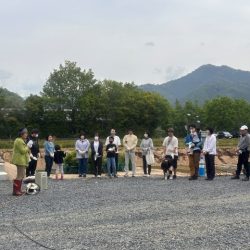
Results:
[194, 146]
[49, 150]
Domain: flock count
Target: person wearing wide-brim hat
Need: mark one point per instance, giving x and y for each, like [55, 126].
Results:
[20, 158]
[243, 153]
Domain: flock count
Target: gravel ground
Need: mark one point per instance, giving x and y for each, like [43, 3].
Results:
[128, 213]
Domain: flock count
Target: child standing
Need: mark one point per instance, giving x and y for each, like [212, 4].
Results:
[111, 151]
[58, 159]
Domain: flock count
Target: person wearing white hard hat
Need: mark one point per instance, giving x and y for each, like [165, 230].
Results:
[243, 154]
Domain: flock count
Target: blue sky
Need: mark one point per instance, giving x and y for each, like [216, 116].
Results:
[150, 41]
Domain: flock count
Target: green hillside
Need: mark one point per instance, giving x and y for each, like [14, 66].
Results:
[205, 83]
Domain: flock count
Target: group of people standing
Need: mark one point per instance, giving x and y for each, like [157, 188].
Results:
[26, 153]
[112, 147]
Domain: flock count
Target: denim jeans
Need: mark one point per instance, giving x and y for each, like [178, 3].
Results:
[111, 164]
[83, 162]
[49, 164]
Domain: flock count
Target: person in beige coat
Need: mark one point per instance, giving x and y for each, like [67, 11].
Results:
[130, 142]
[20, 158]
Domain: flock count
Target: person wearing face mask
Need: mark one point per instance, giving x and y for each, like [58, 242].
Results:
[111, 151]
[96, 155]
[33, 144]
[209, 150]
[82, 153]
[146, 147]
[20, 158]
[194, 145]
[117, 142]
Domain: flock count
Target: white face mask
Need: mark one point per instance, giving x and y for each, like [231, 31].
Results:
[146, 135]
[36, 135]
[96, 138]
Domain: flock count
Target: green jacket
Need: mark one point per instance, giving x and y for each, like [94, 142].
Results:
[20, 155]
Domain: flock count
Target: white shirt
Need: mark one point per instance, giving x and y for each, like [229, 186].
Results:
[210, 144]
[171, 145]
[96, 146]
[117, 141]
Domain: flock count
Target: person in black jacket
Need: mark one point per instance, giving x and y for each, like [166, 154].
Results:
[96, 155]
[59, 159]
[111, 151]
[33, 144]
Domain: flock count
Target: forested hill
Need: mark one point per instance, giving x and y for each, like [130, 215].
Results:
[10, 99]
[205, 83]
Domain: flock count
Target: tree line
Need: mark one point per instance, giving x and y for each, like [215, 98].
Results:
[72, 100]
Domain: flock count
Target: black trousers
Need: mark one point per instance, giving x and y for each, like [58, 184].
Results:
[48, 164]
[31, 169]
[243, 160]
[97, 166]
[146, 167]
[210, 166]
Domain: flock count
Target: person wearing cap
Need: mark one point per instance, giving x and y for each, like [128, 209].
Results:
[117, 142]
[170, 147]
[209, 150]
[243, 153]
[129, 142]
[34, 152]
[20, 158]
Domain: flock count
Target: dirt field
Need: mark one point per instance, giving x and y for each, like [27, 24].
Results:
[226, 160]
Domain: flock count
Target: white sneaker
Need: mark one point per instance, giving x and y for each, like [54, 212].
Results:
[145, 175]
[165, 177]
[148, 175]
[98, 176]
[171, 177]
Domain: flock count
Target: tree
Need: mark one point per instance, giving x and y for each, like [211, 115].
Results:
[34, 112]
[63, 91]
[224, 113]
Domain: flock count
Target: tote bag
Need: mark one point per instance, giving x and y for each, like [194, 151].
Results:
[150, 159]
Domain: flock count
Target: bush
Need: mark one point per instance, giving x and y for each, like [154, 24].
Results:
[71, 163]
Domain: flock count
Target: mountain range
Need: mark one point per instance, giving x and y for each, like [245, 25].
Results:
[204, 83]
